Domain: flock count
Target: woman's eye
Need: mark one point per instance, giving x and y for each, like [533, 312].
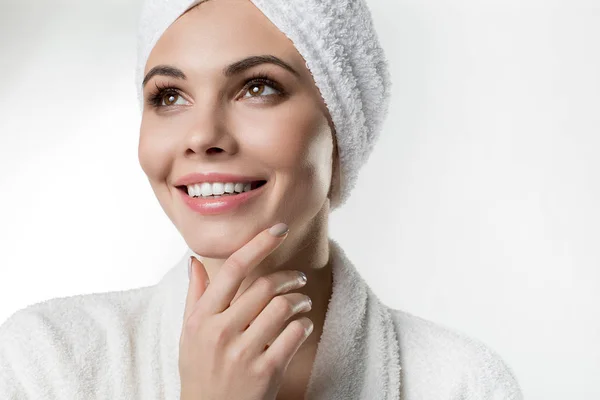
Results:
[258, 89]
[170, 99]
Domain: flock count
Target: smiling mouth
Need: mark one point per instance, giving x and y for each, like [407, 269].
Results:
[253, 185]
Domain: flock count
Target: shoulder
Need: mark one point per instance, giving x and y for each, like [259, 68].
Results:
[439, 361]
[74, 315]
[63, 335]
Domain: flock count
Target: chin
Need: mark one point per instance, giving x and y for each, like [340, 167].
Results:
[220, 243]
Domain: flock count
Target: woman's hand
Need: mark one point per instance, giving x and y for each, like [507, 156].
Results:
[239, 348]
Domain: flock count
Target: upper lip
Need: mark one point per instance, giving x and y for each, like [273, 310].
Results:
[210, 177]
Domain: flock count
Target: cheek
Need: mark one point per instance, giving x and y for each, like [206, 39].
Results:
[154, 149]
[289, 137]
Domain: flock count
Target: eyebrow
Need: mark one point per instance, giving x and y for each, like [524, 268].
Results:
[233, 69]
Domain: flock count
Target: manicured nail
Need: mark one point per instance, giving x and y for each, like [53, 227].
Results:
[279, 230]
[303, 276]
[190, 268]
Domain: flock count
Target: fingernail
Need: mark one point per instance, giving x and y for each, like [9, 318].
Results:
[190, 268]
[303, 276]
[279, 230]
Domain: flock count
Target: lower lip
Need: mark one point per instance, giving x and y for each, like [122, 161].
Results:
[219, 205]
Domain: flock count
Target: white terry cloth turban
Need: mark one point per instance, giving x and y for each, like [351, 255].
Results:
[339, 43]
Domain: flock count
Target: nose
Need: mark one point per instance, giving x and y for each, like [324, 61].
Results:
[208, 134]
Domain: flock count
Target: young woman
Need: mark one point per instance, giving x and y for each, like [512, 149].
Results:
[256, 118]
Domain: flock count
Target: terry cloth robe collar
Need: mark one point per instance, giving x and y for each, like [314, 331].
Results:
[358, 353]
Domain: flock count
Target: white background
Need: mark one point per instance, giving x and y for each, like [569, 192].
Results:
[478, 208]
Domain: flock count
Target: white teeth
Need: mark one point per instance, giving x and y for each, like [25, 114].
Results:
[206, 189]
[217, 189]
[229, 187]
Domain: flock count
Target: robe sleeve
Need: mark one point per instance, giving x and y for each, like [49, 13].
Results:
[440, 363]
[25, 358]
[490, 378]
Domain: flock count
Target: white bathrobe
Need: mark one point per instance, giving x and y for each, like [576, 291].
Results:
[125, 345]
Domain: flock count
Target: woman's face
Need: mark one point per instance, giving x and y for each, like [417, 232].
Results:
[234, 123]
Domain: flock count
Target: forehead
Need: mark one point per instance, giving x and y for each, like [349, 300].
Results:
[218, 32]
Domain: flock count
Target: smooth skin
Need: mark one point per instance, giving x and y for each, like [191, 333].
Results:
[245, 343]
[211, 122]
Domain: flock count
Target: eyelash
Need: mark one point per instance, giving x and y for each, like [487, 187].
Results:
[156, 97]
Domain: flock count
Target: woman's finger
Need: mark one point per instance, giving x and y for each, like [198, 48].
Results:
[236, 268]
[196, 287]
